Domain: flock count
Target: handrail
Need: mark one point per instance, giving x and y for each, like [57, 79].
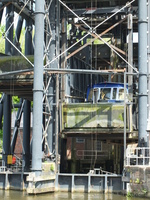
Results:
[88, 154]
[137, 156]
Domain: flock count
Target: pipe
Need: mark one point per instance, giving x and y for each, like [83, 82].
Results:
[38, 87]
[142, 59]
[148, 82]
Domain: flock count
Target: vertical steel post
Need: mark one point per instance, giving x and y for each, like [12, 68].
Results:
[20, 109]
[142, 59]
[6, 128]
[148, 54]
[26, 135]
[28, 38]
[17, 35]
[1, 109]
[7, 98]
[125, 118]
[51, 90]
[9, 21]
[130, 70]
[63, 59]
[27, 106]
[57, 92]
[38, 87]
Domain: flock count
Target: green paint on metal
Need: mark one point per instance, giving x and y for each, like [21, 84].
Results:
[11, 63]
[85, 115]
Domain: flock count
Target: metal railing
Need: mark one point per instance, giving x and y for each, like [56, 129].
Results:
[101, 171]
[17, 166]
[88, 154]
[137, 156]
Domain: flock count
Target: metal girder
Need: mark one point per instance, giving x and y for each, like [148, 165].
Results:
[99, 11]
[26, 13]
[96, 11]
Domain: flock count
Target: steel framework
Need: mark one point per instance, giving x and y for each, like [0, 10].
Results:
[74, 44]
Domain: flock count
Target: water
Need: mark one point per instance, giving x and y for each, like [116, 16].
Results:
[16, 195]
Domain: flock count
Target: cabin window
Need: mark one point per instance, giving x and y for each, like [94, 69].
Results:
[105, 94]
[121, 94]
[114, 93]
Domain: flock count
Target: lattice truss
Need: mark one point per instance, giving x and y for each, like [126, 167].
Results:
[29, 5]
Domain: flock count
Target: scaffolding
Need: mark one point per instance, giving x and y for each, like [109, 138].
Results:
[74, 45]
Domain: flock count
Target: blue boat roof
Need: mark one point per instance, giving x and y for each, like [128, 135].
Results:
[99, 85]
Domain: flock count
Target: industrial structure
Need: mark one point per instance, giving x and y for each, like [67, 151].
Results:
[54, 51]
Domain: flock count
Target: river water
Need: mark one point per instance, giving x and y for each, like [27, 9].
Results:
[16, 195]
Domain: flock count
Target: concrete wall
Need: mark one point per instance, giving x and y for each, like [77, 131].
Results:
[139, 182]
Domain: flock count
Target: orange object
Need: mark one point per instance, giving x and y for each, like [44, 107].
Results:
[13, 160]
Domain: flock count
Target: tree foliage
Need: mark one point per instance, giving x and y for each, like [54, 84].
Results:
[2, 40]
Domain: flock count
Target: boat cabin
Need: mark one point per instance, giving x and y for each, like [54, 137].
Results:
[106, 92]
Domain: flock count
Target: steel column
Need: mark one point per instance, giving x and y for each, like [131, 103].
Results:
[63, 59]
[148, 54]
[7, 98]
[20, 105]
[17, 35]
[51, 90]
[130, 53]
[27, 106]
[26, 135]
[6, 128]
[142, 59]
[130, 61]
[9, 33]
[1, 109]
[38, 87]
[28, 38]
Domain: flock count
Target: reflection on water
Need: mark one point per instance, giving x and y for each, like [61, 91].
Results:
[15, 195]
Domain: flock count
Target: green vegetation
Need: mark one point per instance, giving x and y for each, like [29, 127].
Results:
[130, 194]
[137, 181]
[52, 167]
[144, 191]
[15, 99]
[2, 40]
[22, 40]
